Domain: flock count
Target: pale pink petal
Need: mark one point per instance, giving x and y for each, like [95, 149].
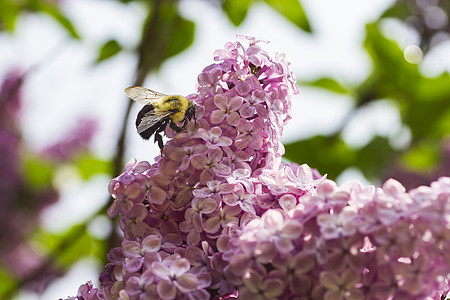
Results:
[256, 141]
[156, 195]
[232, 118]
[134, 264]
[206, 175]
[333, 295]
[208, 205]
[292, 229]
[329, 280]
[212, 224]
[151, 243]
[272, 219]
[131, 248]
[186, 283]
[350, 278]
[215, 132]
[160, 270]
[180, 266]
[166, 290]
[221, 101]
[287, 202]
[284, 245]
[230, 200]
[242, 88]
[273, 287]
[199, 161]
[215, 155]
[355, 294]
[246, 110]
[217, 116]
[175, 153]
[252, 281]
[393, 188]
[235, 103]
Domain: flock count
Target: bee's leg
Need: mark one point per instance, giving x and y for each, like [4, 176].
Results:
[185, 123]
[158, 138]
[175, 127]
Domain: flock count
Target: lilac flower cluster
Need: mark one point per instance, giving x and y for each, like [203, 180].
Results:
[22, 202]
[219, 215]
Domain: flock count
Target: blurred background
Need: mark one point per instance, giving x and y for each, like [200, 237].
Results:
[374, 103]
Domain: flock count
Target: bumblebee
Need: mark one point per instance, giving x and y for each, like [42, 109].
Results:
[159, 111]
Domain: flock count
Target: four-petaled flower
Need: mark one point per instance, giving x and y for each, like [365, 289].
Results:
[227, 109]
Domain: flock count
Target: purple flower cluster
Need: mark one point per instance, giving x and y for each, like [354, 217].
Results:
[20, 204]
[22, 200]
[220, 215]
[76, 142]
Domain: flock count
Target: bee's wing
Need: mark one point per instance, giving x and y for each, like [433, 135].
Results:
[150, 119]
[142, 95]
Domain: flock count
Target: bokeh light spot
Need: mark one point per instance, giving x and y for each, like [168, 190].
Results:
[413, 54]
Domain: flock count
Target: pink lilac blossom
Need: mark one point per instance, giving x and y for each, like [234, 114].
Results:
[21, 200]
[220, 215]
[75, 142]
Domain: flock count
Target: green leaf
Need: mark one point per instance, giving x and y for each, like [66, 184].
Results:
[328, 155]
[236, 10]
[389, 58]
[89, 165]
[293, 11]
[38, 172]
[421, 158]
[55, 12]
[68, 247]
[9, 11]
[392, 76]
[7, 283]
[328, 84]
[182, 37]
[374, 157]
[108, 50]
[165, 34]
[434, 89]
[399, 10]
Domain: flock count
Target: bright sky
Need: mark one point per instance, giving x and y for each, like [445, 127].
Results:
[68, 86]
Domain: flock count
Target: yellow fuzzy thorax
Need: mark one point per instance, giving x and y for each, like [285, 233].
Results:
[174, 102]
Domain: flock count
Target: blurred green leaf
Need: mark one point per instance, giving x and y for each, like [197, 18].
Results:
[77, 248]
[9, 11]
[52, 9]
[236, 10]
[70, 246]
[89, 165]
[182, 37]
[374, 157]
[293, 11]
[7, 282]
[423, 157]
[388, 59]
[426, 118]
[108, 50]
[399, 10]
[328, 84]
[165, 34]
[428, 110]
[37, 171]
[328, 155]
